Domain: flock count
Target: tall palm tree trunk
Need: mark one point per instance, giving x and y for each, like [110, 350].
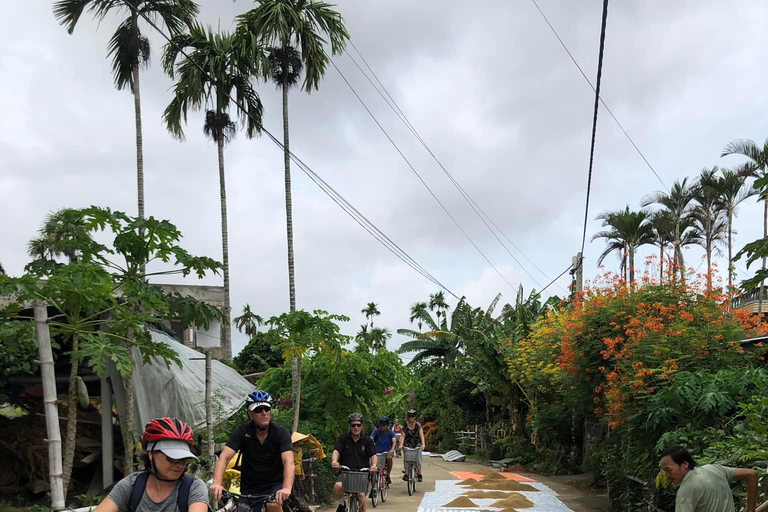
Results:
[226, 342]
[295, 361]
[730, 251]
[68, 456]
[661, 263]
[709, 264]
[631, 266]
[765, 234]
[139, 140]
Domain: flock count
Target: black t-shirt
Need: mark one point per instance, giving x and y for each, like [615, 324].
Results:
[262, 464]
[355, 455]
[412, 437]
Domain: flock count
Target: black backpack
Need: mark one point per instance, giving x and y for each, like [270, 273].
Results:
[140, 485]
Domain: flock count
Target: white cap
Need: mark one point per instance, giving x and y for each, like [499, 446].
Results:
[254, 405]
[173, 448]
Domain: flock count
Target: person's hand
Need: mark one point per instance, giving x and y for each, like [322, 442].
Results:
[216, 490]
[391, 453]
[282, 495]
[423, 447]
[335, 465]
[374, 467]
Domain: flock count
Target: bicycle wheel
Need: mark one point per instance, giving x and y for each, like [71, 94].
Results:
[353, 503]
[376, 480]
[411, 488]
[384, 486]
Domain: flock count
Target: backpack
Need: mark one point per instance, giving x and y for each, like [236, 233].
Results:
[140, 485]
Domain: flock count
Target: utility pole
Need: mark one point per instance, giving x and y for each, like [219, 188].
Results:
[578, 273]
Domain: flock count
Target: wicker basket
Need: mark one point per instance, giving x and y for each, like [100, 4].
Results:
[354, 482]
[411, 454]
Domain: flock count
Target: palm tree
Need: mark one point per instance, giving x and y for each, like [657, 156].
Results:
[228, 70]
[59, 236]
[129, 48]
[248, 322]
[370, 311]
[379, 337]
[731, 190]
[628, 231]
[439, 342]
[709, 216]
[285, 25]
[417, 312]
[437, 301]
[663, 235]
[758, 168]
[678, 202]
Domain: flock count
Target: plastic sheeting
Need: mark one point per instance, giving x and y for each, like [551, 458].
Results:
[180, 392]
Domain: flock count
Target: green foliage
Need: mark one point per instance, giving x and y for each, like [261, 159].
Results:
[337, 383]
[18, 348]
[258, 355]
[296, 332]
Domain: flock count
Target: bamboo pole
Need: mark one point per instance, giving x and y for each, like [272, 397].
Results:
[51, 408]
[107, 440]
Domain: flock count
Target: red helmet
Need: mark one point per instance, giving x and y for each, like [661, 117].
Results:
[167, 428]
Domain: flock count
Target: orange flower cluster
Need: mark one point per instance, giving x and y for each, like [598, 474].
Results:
[618, 343]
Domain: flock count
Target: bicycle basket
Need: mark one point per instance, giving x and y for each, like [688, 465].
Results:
[411, 455]
[354, 482]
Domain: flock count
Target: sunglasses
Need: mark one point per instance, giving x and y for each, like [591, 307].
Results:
[174, 462]
[261, 409]
[355, 425]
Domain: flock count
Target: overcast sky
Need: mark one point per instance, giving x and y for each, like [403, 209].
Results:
[486, 84]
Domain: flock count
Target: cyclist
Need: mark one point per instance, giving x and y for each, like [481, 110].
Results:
[356, 451]
[384, 438]
[267, 454]
[397, 428]
[413, 437]
[163, 487]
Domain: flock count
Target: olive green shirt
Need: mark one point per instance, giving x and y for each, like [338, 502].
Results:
[706, 489]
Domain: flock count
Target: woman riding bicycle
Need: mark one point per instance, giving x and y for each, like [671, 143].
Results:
[413, 437]
[163, 486]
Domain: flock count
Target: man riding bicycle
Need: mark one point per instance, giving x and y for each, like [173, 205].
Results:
[413, 437]
[355, 451]
[384, 438]
[267, 454]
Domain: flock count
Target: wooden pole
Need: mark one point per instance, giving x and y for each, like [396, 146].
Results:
[208, 411]
[107, 439]
[51, 407]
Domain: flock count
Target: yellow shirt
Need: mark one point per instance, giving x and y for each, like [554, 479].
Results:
[297, 461]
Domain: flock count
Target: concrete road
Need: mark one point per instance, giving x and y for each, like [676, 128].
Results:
[437, 469]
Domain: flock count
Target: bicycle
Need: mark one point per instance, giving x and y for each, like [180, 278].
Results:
[256, 502]
[398, 450]
[353, 482]
[380, 487]
[411, 457]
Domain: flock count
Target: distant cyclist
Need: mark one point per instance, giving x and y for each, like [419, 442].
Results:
[266, 450]
[163, 486]
[356, 451]
[413, 437]
[397, 428]
[385, 439]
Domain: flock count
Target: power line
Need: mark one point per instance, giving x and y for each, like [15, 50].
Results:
[335, 196]
[601, 99]
[594, 125]
[390, 101]
[402, 155]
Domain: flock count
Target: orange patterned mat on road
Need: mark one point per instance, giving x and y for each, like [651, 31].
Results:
[463, 475]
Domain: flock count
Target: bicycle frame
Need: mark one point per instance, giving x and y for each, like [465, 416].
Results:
[256, 502]
[352, 497]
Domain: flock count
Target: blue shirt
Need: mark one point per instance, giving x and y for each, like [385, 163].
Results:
[383, 441]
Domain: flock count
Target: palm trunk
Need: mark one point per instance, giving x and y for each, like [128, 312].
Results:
[661, 263]
[709, 264]
[136, 90]
[295, 361]
[126, 423]
[631, 266]
[765, 234]
[225, 331]
[730, 253]
[68, 456]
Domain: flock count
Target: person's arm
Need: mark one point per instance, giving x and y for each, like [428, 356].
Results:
[108, 506]
[288, 472]
[421, 437]
[198, 497]
[218, 471]
[374, 460]
[335, 458]
[749, 476]
[394, 442]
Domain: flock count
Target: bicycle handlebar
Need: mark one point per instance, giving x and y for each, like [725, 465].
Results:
[260, 498]
[345, 468]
